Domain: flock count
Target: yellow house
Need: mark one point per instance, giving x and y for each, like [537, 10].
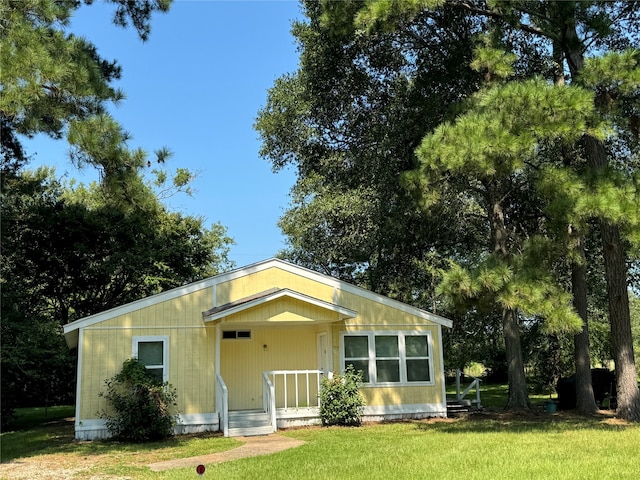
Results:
[247, 350]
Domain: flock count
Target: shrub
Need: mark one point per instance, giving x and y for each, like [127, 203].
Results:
[341, 402]
[140, 405]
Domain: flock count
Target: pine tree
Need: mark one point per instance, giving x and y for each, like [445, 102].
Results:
[569, 28]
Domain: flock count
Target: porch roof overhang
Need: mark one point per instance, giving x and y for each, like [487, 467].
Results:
[218, 313]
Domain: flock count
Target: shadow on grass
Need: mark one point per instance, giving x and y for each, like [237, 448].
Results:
[505, 422]
[58, 437]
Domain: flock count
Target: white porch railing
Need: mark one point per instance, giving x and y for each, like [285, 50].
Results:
[222, 404]
[288, 390]
[269, 399]
[475, 383]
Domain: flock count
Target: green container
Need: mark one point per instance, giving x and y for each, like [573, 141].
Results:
[550, 407]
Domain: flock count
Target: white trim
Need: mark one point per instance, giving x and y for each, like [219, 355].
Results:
[285, 292]
[147, 327]
[79, 379]
[402, 359]
[217, 352]
[441, 371]
[96, 428]
[238, 273]
[165, 351]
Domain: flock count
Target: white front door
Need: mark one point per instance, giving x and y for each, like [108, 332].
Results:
[324, 362]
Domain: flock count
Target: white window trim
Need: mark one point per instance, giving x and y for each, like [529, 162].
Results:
[165, 351]
[401, 334]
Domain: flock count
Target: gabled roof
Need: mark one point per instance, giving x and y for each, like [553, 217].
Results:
[71, 329]
[237, 306]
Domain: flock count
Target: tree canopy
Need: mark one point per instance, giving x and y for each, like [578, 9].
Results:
[69, 250]
[519, 116]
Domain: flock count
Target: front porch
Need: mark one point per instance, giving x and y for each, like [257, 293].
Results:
[289, 398]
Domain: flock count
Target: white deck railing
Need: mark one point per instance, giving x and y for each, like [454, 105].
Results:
[475, 383]
[222, 404]
[292, 389]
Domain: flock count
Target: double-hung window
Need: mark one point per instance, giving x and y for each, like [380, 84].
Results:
[389, 357]
[153, 353]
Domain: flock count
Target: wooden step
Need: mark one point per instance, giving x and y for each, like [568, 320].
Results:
[455, 407]
[247, 423]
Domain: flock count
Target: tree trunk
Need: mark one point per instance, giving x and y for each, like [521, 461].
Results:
[615, 267]
[518, 393]
[614, 253]
[585, 400]
[620, 318]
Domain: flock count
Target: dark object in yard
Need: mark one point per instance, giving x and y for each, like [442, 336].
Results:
[604, 386]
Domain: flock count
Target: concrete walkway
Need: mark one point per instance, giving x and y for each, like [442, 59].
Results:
[252, 447]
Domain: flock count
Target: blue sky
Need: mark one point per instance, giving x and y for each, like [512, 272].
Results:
[196, 87]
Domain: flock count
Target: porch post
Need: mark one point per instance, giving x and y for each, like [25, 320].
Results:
[217, 360]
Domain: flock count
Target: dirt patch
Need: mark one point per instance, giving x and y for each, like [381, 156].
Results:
[63, 466]
[251, 447]
[51, 467]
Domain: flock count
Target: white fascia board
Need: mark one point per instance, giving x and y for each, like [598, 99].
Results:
[137, 305]
[345, 312]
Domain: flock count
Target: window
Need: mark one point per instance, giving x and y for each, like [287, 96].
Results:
[153, 353]
[389, 357]
[236, 334]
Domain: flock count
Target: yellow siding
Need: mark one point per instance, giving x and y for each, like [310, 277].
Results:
[270, 348]
[283, 338]
[191, 351]
[271, 278]
[379, 396]
[283, 309]
[182, 311]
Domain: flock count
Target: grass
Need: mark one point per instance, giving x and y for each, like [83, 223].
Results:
[482, 446]
[30, 417]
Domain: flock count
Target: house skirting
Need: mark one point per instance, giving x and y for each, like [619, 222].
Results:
[381, 413]
[96, 429]
[311, 416]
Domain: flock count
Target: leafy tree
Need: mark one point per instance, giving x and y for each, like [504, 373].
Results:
[490, 146]
[357, 100]
[72, 253]
[569, 30]
[55, 83]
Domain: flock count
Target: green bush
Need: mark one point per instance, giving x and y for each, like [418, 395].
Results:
[341, 402]
[141, 407]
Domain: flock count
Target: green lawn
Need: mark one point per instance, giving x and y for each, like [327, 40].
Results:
[483, 446]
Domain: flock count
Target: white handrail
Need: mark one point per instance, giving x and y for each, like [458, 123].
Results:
[475, 383]
[269, 399]
[222, 404]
